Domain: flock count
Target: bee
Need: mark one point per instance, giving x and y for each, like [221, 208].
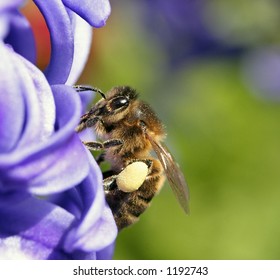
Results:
[130, 131]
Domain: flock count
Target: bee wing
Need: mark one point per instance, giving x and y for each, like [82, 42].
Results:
[173, 173]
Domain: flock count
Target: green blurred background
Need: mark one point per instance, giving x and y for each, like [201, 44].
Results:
[223, 127]
[224, 134]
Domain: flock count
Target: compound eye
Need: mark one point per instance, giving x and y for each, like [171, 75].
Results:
[119, 102]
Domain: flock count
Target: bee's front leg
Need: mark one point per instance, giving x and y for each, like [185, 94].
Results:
[87, 120]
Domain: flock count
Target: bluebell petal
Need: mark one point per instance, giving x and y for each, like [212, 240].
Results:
[10, 4]
[82, 44]
[96, 229]
[39, 103]
[71, 35]
[69, 200]
[95, 12]
[40, 153]
[6, 5]
[106, 253]
[21, 37]
[30, 234]
[44, 161]
[12, 108]
[62, 40]
[4, 25]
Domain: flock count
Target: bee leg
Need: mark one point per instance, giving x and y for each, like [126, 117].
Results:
[88, 119]
[90, 122]
[153, 178]
[138, 201]
[97, 146]
[94, 146]
[128, 206]
[112, 180]
[112, 143]
[109, 183]
[87, 122]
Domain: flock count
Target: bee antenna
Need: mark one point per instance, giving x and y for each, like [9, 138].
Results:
[100, 92]
[80, 88]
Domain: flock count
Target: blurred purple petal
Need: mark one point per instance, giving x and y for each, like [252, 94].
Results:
[6, 5]
[7, 8]
[95, 12]
[261, 69]
[183, 30]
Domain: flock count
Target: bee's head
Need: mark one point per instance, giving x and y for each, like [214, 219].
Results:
[121, 103]
[116, 104]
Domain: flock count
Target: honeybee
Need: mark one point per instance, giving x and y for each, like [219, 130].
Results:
[130, 131]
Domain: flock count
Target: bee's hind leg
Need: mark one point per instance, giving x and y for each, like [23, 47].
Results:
[111, 178]
[128, 205]
[109, 182]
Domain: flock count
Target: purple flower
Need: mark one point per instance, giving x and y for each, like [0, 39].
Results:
[52, 203]
[182, 29]
[261, 70]
[69, 23]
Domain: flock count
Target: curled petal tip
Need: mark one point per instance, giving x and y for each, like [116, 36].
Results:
[95, 12]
